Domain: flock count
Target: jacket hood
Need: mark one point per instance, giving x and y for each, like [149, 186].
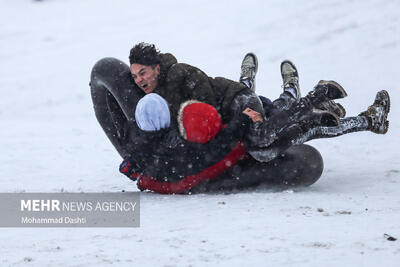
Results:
[167, 61]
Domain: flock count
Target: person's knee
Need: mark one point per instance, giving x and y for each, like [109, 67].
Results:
[246, 99]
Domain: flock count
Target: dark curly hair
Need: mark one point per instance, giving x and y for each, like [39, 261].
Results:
[144, 54]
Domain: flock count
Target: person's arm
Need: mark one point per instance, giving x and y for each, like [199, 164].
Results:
[193, 83]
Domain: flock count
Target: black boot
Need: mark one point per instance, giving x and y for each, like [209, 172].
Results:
[305, 112]
[334, 107]
[325, 91]
[290, 78]
[324, 118]
[377, 113]
[248, 72]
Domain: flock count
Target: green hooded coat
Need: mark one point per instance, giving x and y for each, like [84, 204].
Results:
[179, 82]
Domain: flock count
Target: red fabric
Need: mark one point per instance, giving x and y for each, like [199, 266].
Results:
[149, 183]
[126, 169]
[201, 122]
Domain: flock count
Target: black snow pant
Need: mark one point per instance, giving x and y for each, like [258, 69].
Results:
[266, 141]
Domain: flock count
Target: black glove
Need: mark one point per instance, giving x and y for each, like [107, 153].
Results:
[128, 167]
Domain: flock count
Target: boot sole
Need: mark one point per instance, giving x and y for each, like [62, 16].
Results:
[255, 59]
[342, 111]
[341, 92]
[387, 108]
[297, 74]
[386, 127]
[291, 63]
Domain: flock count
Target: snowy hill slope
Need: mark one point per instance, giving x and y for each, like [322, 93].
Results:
[51, 142]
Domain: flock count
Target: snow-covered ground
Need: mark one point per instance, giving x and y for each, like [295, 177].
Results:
[50, 140]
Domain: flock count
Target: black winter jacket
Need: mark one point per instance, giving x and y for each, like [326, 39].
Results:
[179, 82]
[165, 155]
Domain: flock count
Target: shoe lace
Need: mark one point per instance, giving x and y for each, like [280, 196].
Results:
[290, 81]
[248, 72]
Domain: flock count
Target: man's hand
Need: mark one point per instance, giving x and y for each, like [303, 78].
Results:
[254, 115]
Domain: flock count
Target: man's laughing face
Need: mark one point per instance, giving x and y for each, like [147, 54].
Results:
[146, 77]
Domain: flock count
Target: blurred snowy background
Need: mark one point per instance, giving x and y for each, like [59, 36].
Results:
[50, 140]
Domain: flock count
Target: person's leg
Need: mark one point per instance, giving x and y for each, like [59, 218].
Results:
[300, 165]
[261, 135]
[248, 72]
[285, 101]
[296, 135]
[114, 97]
[374, 119]
[290, 84]
[347, 125]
